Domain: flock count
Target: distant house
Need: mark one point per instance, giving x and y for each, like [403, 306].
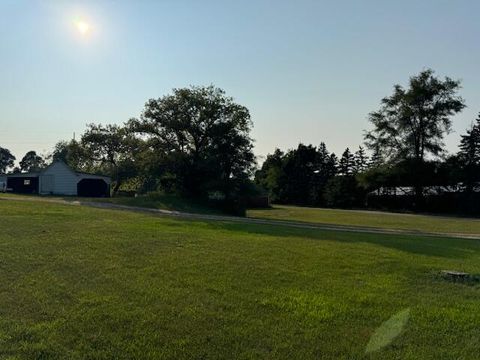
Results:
[59, 179]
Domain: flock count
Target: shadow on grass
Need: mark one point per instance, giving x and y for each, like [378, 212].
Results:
[415, 244]
[165, 202]
[453, 248]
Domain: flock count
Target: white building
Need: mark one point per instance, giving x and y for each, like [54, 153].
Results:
[59, 179]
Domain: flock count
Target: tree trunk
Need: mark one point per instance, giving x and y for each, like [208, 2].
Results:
[118, 182]
[116, 188]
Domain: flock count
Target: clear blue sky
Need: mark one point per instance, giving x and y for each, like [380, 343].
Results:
[308, 71]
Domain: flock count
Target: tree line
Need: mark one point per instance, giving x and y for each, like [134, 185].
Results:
[196, 142]
[407, 153]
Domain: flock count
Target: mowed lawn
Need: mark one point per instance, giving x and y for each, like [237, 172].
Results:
[365, 218]
[83, 283]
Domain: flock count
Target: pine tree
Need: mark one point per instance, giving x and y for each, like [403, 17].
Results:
[332, 164]
[470, 145]
[361, 160]
[376, 160]
[347, 163]
[325, 169]
[326, 163]
[469, 155]
[323, 153]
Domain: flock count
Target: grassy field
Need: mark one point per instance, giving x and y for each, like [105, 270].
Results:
[161, 201]
[150, 201]
[83, 283]
[365, 218]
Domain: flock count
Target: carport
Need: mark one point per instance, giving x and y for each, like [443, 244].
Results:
[90, 187]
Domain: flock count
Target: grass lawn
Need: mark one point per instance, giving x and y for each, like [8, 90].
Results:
[151, 201]
[84, 283]
[442, 224]
[161, 201]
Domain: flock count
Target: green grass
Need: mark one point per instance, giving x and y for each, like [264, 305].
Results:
[441, 224]
[151, 201]
[161, 201]
[84, 283]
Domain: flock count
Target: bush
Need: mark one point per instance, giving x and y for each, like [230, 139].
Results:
[343, 192]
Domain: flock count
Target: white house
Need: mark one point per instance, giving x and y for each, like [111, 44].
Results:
[59, 179]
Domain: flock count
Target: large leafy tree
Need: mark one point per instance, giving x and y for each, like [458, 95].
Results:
[7, 160]
[268, 176]
[200, 137]
[111, 147]
[32, 162]
[73, 154]
[412, 122]
[299, 169]
[299, 175]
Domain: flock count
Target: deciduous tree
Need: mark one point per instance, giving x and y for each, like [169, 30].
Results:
[7, 160]
[112, 146]
[31, 162]
[412, 122]
[203, 137]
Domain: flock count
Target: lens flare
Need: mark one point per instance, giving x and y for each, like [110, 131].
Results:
[82, 27]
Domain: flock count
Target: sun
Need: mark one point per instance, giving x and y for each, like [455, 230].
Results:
[82, 26]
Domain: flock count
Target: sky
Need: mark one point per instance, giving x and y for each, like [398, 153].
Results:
[308, 71]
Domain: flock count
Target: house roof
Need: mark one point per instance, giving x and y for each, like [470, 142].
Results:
[79, 173]
[29, 174]
[38, 173]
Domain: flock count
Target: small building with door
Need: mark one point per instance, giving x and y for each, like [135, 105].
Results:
[59, 179]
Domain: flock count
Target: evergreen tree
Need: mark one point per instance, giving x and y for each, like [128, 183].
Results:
[361, 160]
[469, 155]
[325, 169]
[470, 144]
[347, 163]
[376, 160]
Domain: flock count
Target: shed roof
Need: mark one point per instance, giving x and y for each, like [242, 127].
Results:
[38, 173]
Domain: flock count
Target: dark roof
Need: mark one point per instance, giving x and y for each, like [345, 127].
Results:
[37, 173]
[90, 174]
[29, 174]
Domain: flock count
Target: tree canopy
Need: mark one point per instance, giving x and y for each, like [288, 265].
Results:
[469, 155]
[412, 122]
[112, 147]
[196, 142]
[32, 162]
[7, 160]
[199, 137]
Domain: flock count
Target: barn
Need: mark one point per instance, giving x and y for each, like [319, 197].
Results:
[59, 179]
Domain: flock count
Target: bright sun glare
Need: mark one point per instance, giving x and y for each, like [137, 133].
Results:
[82, 26]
